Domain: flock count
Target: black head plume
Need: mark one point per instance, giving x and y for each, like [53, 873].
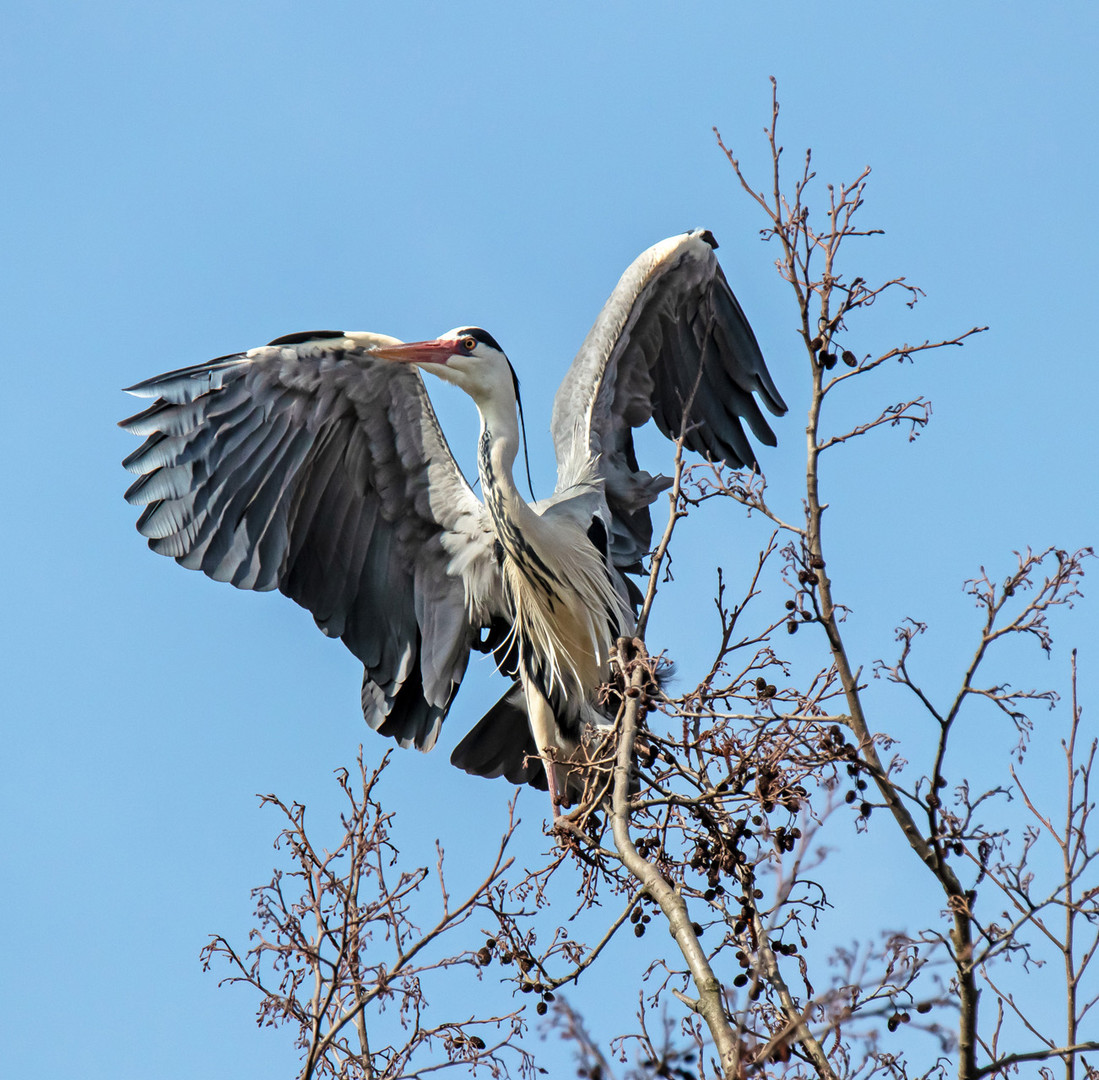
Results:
[522, 422]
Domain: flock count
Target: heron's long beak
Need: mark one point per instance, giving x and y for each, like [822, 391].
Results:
[418, 352]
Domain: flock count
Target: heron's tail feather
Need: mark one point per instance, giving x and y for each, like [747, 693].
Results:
[501, 744]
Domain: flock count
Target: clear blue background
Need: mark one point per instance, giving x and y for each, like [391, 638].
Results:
[184, 180]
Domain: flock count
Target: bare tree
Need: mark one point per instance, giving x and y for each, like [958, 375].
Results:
[335, 941]
[707, 812]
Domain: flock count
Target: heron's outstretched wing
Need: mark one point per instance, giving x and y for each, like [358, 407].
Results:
[311, 467]
[671, 312]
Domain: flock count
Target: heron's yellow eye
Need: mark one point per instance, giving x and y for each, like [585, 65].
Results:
[469, 344]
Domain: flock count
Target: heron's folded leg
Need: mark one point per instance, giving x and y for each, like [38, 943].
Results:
[555, 751]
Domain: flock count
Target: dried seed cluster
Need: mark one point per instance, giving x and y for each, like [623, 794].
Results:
[525, 962]
[640, 920]
[836, 746]
[764, 689]
[809, 579]
[785, 839]
[828, 359]
[772, 791]
[474, 1042]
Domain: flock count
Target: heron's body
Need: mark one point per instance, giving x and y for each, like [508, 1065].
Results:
[316, 465]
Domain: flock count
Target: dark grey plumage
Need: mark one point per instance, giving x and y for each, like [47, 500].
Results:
[315, 469]
[501, 744]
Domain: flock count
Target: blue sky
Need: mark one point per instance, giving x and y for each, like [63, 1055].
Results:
[182, 181]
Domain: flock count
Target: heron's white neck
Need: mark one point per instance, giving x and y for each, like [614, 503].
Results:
[496, 453]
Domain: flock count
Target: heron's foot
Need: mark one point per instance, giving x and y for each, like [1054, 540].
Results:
[558, 792]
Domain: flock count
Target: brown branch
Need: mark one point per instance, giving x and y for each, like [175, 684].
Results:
[1009, 1060]
[710, 1006]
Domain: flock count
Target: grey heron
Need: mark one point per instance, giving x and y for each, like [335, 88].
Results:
[316, 465]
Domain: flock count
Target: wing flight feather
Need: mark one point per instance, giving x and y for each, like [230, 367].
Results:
[311, 467]
[672, 312]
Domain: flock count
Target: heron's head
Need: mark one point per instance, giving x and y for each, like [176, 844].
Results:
[466, 356]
